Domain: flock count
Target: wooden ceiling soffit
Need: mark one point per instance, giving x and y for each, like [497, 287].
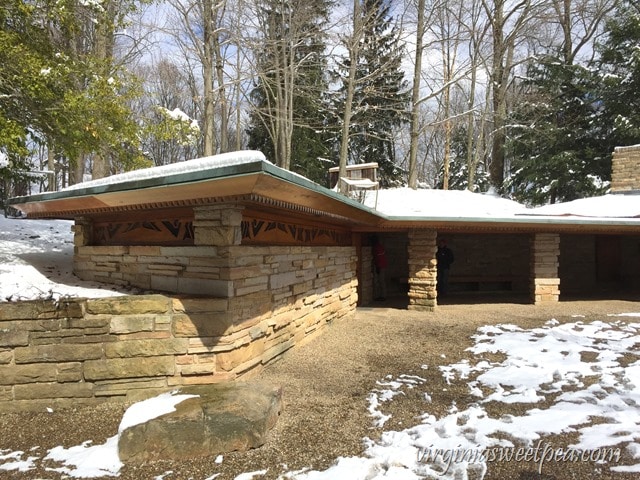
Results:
[297, 198]
[142, 199]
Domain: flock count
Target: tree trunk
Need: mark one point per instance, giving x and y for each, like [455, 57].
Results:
[104, 44]
[51, 167]
[354, 46]
[415, 97]
[207, 77]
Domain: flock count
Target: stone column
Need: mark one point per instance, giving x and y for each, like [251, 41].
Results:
[82, 232]
[218, 225]
[545, 281]
[422, 270]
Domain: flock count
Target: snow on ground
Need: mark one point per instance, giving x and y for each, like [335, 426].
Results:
[545, 362]
[36, 261]
[91, 461]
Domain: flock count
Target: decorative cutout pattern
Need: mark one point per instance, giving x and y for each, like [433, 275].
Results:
[149, 232]
[286, 233]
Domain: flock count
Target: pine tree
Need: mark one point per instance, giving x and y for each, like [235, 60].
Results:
[309, 86]
[620, 76]
[557, 152]
[381, 96]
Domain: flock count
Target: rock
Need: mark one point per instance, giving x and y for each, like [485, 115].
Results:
[224, 417]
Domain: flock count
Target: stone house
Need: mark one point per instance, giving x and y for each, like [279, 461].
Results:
[252, 259]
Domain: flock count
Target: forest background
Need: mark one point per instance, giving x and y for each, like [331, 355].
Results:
[527, 98]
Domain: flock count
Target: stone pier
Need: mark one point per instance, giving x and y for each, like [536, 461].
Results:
[422, 270]
[545, 280]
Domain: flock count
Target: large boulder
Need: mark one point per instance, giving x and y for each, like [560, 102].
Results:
[220, 418]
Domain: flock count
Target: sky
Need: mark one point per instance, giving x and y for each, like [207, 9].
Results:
[541, 363]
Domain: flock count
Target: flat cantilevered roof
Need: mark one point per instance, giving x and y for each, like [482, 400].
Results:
[247, 177]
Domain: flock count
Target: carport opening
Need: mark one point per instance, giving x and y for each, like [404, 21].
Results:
[487, 268]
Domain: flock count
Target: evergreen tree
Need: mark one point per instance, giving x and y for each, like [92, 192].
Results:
[309, 85]
[620, 77]
[557, 152]
[53, 94]
[381, 96]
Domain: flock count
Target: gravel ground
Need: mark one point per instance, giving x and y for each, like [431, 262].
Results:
[326, 383]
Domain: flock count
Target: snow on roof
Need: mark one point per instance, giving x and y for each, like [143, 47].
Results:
[606, 206]
[404, 202]
[195, 165]
[407, 202]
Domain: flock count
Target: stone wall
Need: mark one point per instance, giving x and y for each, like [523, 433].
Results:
[625, 169]
[630, 257]
[579, 265]
[365, 278]
[86, 351]
[227, 271]
[396, 247]
[504, 256]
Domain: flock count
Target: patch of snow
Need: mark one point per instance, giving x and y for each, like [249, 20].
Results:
[36, 261]
[605, 206]
[151, 408]
[408, 202]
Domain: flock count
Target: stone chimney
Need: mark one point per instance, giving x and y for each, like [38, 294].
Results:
[625, 170]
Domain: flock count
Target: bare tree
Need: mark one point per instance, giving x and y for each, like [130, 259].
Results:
[279, 34]
[476, 113]
[415, 97]
[510, 22]
[448, 27]
[353, 44]
[579, 22]
[213, 60]
[200, 32]
[443, 25]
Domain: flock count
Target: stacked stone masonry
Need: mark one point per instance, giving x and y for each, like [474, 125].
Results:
[625, 170]
[86, 351]
[422, 270]
[545, 252]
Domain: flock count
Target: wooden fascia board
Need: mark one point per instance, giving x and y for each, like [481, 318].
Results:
[139, 199]
[316, 202]
[273, 188]
[516, 225]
